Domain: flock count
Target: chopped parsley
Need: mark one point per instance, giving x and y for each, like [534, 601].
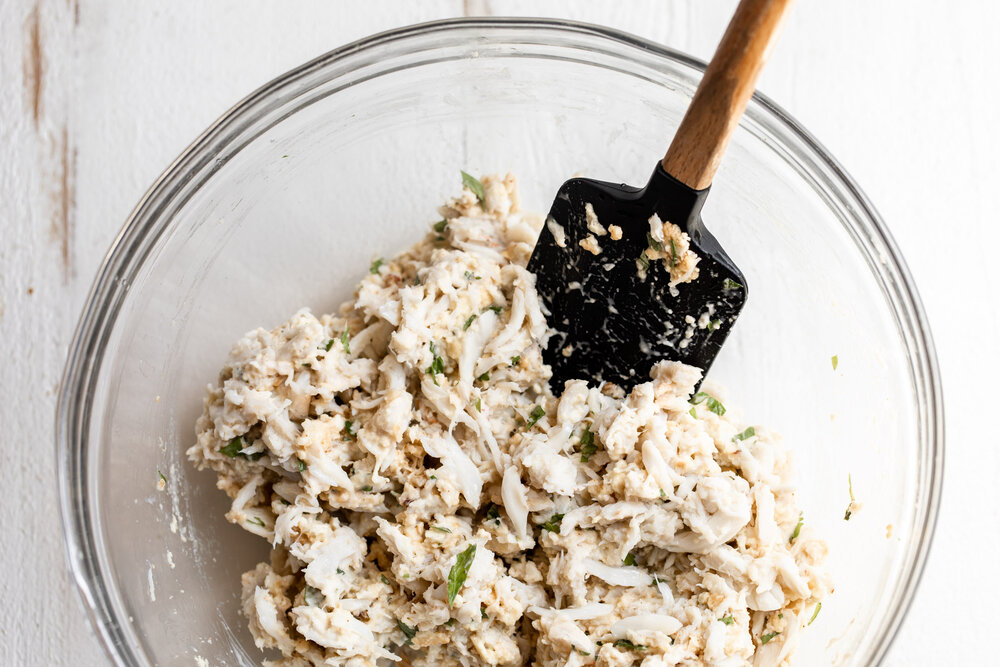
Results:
[629, 559]
[161, 476]
[440, 225]
[469, 275]
[819, 605]
[553, 524]
[482, 613]
[627, 645]
[312, 596]
[468, 322]
[367, 488]
[653, 243]
[536, 413]
[728, 619]
[302, 465]
[345, 340]
[485, 377]
[373, 269]
[450, 622]
[437, 365]
[514, 361]
[256, 520]
[328, 345]
[798, 527]
[729, 283]
[441, 529]
[475, 186]
[385, 580]
[748, 433]
[496, 309]
[643, 262]
[407, 631]
[339, 571]
[768, 637]
[459, 571]
[349, 429]
[850, 490]
[693, 413]
[711, 401]
[581, 651]
[674, 259]
[587, 446]
[713, 325]
[663, 494]
[234, 448]
[479, 404]
[834, 361]
[493, 513]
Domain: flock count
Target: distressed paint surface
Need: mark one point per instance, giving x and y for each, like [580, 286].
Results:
[96, 98]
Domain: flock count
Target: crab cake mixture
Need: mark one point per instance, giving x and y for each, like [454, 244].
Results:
[431, 500]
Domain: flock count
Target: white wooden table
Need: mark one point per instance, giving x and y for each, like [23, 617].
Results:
[96, 98]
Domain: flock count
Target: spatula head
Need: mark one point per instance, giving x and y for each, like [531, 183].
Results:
[615, 317]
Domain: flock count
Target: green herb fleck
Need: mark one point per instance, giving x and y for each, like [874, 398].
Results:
[653, 243]
[234, 448]
[514, 361]
[339, 571]
[349, 429]
[729, 283]
[536, 413]
[473, 184]
[256, 520]
[385, 580]
[850, 490]
[663, 494]
[626, 644]
[468, 322]
[643, 262]
[728, 619]
[834, 361]
[493, 513]
[328, 345]
[485, 377]
[798, 528]
[345, 340]
[367, 488]
[713, 403]
[469, 275]
[580, 651]
[553, 524]
[748, 433]
[301, 464]
[674, 259]
[693, 413]
[164, 479]
[440, 225]
[714, 324]
[312, 596]
[479, 404]
[459, 571]
[407, 631]
[437, 365]
[307, 365]
[482, 613]
[768, 637]
[450, 622]
[629, 559]
[587, 446]
[441, 529]
[819, 605]
[373, 269]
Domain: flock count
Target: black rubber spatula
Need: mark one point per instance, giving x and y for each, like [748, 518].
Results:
[613, 301]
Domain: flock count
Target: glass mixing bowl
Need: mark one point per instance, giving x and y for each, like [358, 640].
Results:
[285, 200]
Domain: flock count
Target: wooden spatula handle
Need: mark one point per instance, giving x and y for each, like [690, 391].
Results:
[722, 95]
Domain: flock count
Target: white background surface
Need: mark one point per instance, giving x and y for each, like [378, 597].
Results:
[96, 98]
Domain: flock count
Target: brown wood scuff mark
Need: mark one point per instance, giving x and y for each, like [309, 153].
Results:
[34, 65]
[64, 203]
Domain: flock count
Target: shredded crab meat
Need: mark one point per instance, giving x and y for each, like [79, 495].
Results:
[432, 500]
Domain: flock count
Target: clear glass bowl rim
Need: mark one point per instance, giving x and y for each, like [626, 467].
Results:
[146, 224]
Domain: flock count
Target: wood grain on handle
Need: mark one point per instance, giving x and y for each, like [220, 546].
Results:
[722, 95]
